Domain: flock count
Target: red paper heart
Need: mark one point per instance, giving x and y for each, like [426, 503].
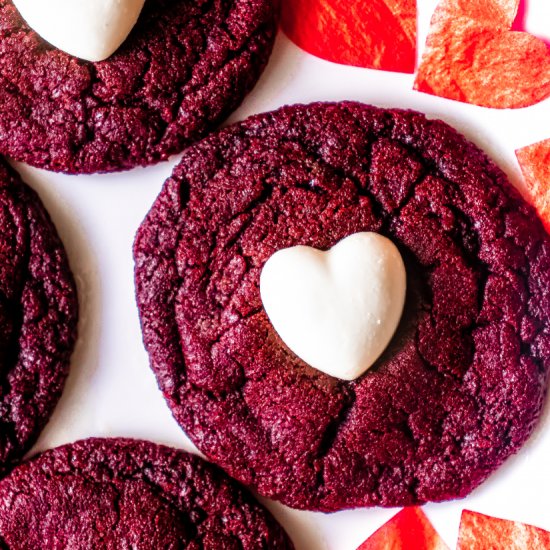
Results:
[472, 56]
[480, 532]
[377, 34]
[534, 161]
[410, 529]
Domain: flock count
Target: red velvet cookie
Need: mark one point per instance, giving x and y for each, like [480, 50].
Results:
[460, 387]
[122, 494]
[186, 66]
[38, 317]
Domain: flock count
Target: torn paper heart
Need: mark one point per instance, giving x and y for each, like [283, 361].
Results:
[480, 532]
[89, 29]
[378, 34]
[534, 161]
[410, 529]
[472, 56]
[336, 310]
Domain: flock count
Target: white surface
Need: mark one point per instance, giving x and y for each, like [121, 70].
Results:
[111, 391]
[336, 310]
[89, 29]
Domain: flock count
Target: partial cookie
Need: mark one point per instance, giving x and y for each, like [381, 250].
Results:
[461, 385]
[119, 493]
[38, 317]
[186, 66]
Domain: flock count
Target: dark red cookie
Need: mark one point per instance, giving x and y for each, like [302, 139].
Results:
[186, 65]
[462, 384]
[38, 317]
[121, 494]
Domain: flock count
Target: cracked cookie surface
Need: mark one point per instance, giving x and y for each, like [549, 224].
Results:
[38, 317]
[122, 494]
[184, 68]
[462, 383]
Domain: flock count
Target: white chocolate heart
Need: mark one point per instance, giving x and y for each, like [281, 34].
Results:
[89, 29]
[336, 310]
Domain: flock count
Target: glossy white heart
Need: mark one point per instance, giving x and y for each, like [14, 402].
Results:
[89, 29]
[336, 310]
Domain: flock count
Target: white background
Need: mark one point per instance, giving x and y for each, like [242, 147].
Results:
[111, 390]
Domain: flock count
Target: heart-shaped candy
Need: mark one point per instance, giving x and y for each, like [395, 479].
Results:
[336, 310]
[380, 34]
[534, 161]
[472, 56]
[89, 29]
[480, 532]
[410, 528]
